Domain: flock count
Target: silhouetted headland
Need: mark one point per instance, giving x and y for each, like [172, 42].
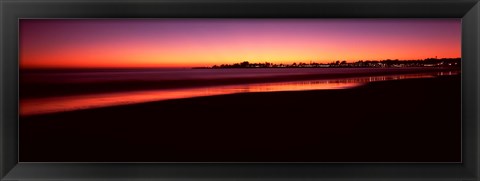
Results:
[429, 62]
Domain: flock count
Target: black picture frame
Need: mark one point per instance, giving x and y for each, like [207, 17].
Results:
[12, 10]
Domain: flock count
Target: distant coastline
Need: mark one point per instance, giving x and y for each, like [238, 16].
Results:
[388, 63]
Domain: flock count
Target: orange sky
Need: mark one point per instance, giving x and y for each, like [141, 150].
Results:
[205, 42]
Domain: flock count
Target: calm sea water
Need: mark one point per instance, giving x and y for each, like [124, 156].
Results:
[113, 75]
[36, 106]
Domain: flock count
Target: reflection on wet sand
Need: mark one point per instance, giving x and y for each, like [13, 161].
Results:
[37, 106]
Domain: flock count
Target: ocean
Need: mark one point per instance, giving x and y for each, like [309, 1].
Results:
[124, 92]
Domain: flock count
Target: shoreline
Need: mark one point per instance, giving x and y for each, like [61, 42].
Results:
[37, 106]
[41, 89]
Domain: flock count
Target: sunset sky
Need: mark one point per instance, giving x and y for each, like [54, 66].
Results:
[75, 43]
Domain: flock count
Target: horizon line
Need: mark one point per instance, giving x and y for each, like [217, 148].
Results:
[187, 67]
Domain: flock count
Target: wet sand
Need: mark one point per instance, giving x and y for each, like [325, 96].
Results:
[416, 120]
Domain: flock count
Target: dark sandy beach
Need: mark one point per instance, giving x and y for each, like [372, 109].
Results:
[416, 120]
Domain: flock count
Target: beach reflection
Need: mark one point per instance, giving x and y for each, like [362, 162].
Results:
[37, 106]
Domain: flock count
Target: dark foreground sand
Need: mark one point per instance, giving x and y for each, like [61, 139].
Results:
[415, 120]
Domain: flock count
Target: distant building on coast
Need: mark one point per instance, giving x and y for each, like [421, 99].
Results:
[388, 63]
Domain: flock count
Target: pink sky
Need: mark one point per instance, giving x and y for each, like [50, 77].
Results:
[74, 43]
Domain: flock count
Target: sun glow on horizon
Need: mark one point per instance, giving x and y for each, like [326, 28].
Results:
[206, 42]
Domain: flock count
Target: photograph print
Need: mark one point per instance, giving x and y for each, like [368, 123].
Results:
[240, 90]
